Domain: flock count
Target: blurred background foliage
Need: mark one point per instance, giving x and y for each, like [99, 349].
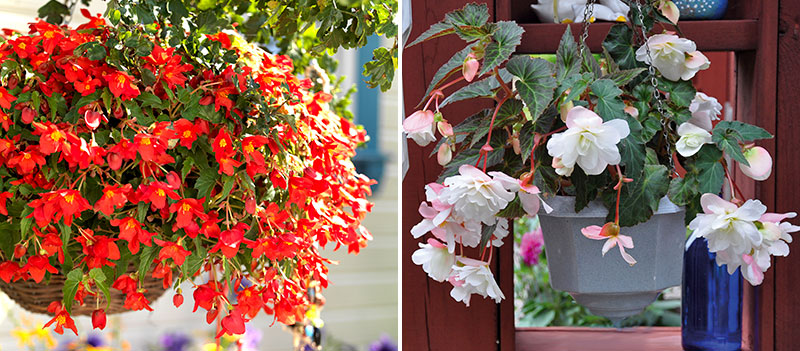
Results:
[539, 305]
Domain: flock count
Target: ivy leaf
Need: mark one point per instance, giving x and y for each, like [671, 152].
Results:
[681, 93]
[632, 150]
[619, 43]
[536, 82]
[747, 132]
[609, 105]
[70, 288]
[53, 12]
[505, 40]
[567, 63]
[728, 134]
[639, 199]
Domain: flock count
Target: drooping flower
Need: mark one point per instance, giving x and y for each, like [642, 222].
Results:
[99, 319]
[760, 162]
[676, 58]
[136, 301]
[445, 154]
[131, 231]
[121, 85]
[610, 233]
[6, 98]
[172, 250]
[692, 138]
[474, 195]
[437, 219]
[434, 259]
[726, 225]
[419, 127]
[37, 266]
[473, 277]
[588, 142]
[232, 324]
[61, 318]
[470, 67]
[113, 197]
[531, 246]
[704, 109]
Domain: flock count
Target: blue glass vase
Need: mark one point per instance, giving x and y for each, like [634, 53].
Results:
[711, 315]
[701, 9]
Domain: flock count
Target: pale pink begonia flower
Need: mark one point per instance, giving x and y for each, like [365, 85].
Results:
[471, 276]
[528, 193]
[726, 225]
[676, 58]
[705, 109]
[610, 233]
[670, 11]
[437, 219]
[470, 67]
[419, 127]
[434, 259]
[760, 162]
[474, 195]
[445, 154]
[588, 142]
[633, 111]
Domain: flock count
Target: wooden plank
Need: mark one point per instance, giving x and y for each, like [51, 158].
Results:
[599, 339]
[432, 320]
[723, 35]
[787, 165]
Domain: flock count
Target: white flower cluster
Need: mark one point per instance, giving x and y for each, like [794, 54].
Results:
[455, 213]
[742, 236]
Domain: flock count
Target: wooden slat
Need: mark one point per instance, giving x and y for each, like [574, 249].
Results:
[599, 339]
[723, 35]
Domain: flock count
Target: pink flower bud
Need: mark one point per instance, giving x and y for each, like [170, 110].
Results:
[470, 68]
[445, 128]
[760, 163]
[444, 155]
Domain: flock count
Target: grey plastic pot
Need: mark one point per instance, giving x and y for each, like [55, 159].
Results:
[608, 286]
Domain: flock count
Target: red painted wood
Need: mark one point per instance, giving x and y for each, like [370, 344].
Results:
[708, 35]
[599, 339]
[787, 166]
[432, 320]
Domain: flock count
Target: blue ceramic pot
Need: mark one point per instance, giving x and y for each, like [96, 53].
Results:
[701, 9]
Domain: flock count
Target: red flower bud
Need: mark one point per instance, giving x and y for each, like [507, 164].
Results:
[20, 250]
[177, 300]
[114, 161]
[99, 319]
[28, 115]
[118, 113]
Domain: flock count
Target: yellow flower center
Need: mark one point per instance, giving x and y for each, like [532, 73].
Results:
[49, 34]
[27, 156]
[109, 193]
[120, 79]
[131, 224]
[186, 207]
[187, 134]
[145, 141]
[249, 148]
[160, 192]
[69, 198]
[56, 136]
[223, 143]
[21, 46]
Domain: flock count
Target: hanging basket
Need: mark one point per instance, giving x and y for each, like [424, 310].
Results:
[35, 297]
[608, 286]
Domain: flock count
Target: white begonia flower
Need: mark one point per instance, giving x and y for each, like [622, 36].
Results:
[704, 109]
[500, 232]
[437, 219]
[676, 58]
[420, 127]
[473, 277]
[434, 259]
[588, 142]
[692, 139]
[727, 226]
[474, 195]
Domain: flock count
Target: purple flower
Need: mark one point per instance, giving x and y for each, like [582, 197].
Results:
[175, 342]
[251, 338]
[94, 340]
[531, 246]
[384, 344]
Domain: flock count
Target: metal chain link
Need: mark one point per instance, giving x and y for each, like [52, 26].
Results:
[657, 96]
[588, 12]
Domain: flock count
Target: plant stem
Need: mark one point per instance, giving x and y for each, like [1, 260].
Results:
[491, 125]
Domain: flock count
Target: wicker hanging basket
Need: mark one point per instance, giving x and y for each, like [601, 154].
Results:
[35, 297]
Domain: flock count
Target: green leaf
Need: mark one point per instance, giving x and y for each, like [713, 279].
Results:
[681, 93]
[100, 281]
[447, 69]
[709, 170]
[587, 187]
[473, 15]
[619, 43]
[623, 77]
[151, 100]
[146, 257]
[506, 38]
[205, 182]
[484, 87]
[567, 61]
[632, 150]
[536, 82]
[53, 12]
[744, 131]
[639, 199]
[682, 190]
[728, 134]
[609, 105]
[486, 234]
[70, 288]
[513, 210]
[9, 236]
[505, 116]
[26, 222]
[435, 31]
[380, 70]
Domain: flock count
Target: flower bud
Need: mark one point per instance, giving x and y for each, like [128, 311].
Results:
[470, 67]
[444, 155]
[445, 128]
[99, 319]
[20, 250]
[28, 114]
[177, 300]
[633, 111]
[564, 110]
[760, 163]
[515, 143]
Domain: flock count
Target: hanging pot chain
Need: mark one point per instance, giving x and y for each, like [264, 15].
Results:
[657, 96]
[588, 12]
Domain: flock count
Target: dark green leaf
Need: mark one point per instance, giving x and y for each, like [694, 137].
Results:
[623, 77]
[681, 93]
[709, 170]
[682, 190]
[506, 38]
[639, 199]
[619, 43]
[632, 150]
[100, 281]
[567, 62]
[609, 105]
[447, 69]
[435, 31]
[53, 12]
[70, 288]
[486, 234]
[536, 82]
[205, 182]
